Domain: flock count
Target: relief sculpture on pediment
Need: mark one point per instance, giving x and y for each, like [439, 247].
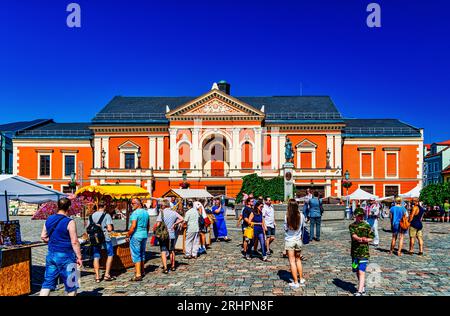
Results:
[215, 107]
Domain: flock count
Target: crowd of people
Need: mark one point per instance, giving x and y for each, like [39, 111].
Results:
[257, 221]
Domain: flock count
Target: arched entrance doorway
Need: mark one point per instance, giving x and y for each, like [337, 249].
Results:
[216, 156]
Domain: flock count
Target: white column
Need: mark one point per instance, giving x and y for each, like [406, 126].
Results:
[235, 159]
[257, 150]
[152, 152]
[160, 149]
[338, 151]
[173, 148]
[282, 143]
[16, 159]
[328, 188]
[97, 152]
[331, 148]
[105, 146]
[419, 160]
[275, 151]
[195, 150]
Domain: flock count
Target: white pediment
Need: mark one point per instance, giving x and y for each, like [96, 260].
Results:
[129, 145]
[215, 103]
[215, 106]
[306, 144]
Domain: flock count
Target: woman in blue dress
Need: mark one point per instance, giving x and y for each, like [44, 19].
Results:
[220, 226]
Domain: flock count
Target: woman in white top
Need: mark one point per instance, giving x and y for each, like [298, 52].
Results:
[294, 223]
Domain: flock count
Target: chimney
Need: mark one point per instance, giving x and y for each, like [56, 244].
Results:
[224, 86]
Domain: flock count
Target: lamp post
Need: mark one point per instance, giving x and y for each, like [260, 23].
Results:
[73, 184]
[328, 159]
[103, 158]
[139, 155]
[347, 184]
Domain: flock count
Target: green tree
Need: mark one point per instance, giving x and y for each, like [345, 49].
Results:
[274, 188]
[435, 194]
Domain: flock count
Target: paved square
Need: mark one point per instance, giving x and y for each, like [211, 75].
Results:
[327, 270]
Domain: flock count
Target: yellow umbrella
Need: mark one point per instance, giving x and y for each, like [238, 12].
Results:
[116, 191]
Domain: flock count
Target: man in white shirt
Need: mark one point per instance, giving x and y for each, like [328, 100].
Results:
[269, 219]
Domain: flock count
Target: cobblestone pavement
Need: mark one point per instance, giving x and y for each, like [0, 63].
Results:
[327, 269]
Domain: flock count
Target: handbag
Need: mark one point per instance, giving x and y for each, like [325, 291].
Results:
[305, 235]
[249, 232]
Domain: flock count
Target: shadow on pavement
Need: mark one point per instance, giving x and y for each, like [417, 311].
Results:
[95, 292]
[285, 275]
[346, 286]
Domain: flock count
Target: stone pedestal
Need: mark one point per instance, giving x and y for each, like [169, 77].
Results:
[288, 174]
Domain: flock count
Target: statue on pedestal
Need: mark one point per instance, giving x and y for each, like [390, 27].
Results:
[288, 151]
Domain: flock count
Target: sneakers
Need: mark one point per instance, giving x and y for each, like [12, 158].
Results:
[265, 259]
[302, 282]
[248, 257]
[294, 285]
[363, 293]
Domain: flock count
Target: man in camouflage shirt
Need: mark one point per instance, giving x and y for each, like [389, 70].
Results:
[361, 234]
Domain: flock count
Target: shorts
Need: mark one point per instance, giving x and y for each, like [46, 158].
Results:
[359, 264]
[96, 250]
[396, 229]
[61, 265]
[167, 245]
[295, 245]
[413, 232]
[270, 231]
[137, 249]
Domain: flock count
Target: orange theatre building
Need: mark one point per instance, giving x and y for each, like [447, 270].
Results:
[215, 139]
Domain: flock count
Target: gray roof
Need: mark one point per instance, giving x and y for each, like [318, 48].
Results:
[153, 109]
[379, 128]
[19, 126]
[58, 130]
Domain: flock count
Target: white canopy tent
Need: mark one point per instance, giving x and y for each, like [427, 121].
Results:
[361, 195]
[22, 189]
[414, 193]
[188, 193]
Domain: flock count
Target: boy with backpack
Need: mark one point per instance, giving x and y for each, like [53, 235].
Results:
[361, 234]
[100, 225]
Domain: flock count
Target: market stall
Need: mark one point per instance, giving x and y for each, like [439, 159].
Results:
[361, 195]
[414, 193]
[182, 195]
[112, 193]
[15, 254]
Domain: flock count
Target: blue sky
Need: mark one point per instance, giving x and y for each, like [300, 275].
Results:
[175, 48]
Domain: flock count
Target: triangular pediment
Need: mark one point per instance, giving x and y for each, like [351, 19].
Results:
[306, 144]
[215, 103]
[129, 145]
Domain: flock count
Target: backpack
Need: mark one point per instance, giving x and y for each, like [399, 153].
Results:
[404, 222]
[161, 232]
[95, 231]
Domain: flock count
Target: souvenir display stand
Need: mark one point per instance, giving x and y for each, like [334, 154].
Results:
[182, 195]
[15, 255]
[122, 256]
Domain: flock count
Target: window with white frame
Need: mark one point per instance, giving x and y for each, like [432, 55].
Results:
[69, 164]
[366, 164]
[391, 164]
[306, 154]
[44, 161]
[128, 155]
[369, 188]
